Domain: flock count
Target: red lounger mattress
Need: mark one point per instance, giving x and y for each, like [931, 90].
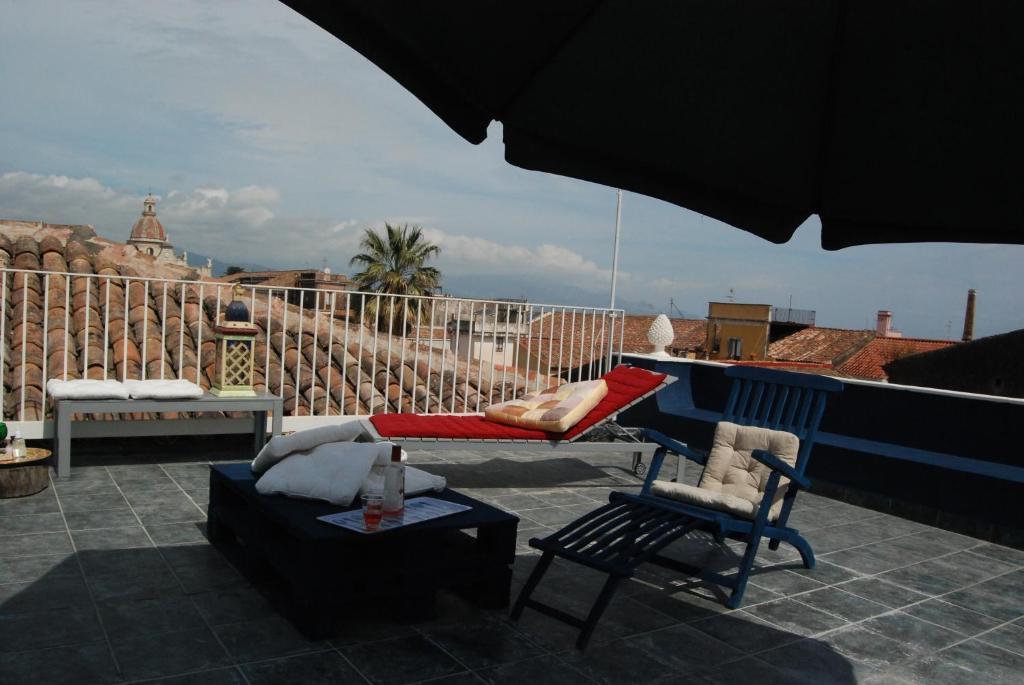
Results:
[626, 385]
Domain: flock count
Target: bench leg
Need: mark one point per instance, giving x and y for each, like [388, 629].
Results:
[259, 429]
[277, 424]
[63, 452]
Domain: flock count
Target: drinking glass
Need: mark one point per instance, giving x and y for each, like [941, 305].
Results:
[373, 510]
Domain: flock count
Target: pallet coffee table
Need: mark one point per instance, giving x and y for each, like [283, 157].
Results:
[317, 574]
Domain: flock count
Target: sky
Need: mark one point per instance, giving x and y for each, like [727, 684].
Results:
[269, 141]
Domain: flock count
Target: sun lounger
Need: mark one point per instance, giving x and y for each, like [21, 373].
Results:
[627, 386]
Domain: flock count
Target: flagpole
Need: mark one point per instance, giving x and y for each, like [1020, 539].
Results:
[615, 252]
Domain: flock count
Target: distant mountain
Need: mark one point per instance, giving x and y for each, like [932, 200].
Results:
[219, 267]
[540, 290]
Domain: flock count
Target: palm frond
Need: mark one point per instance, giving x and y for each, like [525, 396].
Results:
[394, 263]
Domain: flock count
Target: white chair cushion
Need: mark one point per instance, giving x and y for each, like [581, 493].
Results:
[733, 480]
[700, 497]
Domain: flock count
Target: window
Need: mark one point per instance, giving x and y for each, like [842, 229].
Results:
[735, 348]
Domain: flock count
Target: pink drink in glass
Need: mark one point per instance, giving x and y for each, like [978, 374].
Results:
[373, 510]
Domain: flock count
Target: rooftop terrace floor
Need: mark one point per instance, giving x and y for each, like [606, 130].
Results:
[107, 577]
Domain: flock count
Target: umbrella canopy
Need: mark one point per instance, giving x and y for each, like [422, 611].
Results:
[894, 120]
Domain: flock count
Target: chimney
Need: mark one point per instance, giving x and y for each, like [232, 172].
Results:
[884, 326]
[969, 316]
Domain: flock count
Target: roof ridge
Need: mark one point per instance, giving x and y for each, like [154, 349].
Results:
[935, 340]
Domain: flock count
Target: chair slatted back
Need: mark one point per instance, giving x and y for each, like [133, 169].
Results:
[779, 400]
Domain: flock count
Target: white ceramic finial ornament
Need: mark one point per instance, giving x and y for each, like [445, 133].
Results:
[661, 335]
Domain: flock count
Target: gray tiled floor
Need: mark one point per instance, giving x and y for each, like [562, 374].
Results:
[107, 577]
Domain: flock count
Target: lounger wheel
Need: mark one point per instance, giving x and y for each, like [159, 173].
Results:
[640, 468]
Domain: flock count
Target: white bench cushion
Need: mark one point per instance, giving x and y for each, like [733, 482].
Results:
[158, 389]
[733, 480]
[86, 389]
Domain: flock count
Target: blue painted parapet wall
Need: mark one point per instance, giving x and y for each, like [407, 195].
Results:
[941, 457]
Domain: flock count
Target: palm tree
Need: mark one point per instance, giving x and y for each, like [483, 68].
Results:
[395, 264]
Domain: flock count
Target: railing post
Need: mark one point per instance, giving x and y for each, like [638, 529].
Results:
[330, 354]
[298, 356]
[401, 363]
[345, 355]
[3, 343]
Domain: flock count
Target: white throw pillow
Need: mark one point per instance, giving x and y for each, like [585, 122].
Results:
[334, 472]
[417, 482]
[281, 446]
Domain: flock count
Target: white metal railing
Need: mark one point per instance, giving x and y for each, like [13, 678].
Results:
[327, 353]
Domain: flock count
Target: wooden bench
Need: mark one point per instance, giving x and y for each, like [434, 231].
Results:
[64, 409]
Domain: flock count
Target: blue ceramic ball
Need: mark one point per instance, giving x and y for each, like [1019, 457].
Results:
[237, 311]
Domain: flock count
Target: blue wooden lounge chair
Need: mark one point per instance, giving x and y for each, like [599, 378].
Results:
[633, 529]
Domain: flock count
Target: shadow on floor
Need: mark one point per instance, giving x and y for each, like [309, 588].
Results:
[513, 473]
[157, 449]
[115, 615]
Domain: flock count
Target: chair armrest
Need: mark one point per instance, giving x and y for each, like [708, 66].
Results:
[675, 446]
[776, 464]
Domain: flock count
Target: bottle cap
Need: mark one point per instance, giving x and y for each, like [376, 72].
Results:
[396, 453]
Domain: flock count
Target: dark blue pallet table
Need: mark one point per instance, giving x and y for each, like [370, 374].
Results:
[317, 574]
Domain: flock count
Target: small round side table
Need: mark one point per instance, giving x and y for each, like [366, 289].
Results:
[25, 476]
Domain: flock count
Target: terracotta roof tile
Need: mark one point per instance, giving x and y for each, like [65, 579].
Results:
[575, 348]
[819, 345]
[690, 333]
[867, 363]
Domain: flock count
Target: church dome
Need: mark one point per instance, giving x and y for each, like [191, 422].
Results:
[148, 227]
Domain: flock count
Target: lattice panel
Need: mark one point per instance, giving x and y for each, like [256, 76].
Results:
[236, 363]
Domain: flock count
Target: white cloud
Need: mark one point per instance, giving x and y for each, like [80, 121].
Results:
[25, 195]
[244, 224]
[212, 194]
[478, 255]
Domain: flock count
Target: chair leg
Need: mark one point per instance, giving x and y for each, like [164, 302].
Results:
[531, 584]
[806, 553]
[744, 571]
[600, 604]
[774, 544]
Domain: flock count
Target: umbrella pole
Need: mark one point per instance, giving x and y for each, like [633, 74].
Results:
[615, 250]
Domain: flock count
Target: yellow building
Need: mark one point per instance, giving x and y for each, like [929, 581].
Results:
[738, 331]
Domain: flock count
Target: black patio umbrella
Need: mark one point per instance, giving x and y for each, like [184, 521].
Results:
[894, 120]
